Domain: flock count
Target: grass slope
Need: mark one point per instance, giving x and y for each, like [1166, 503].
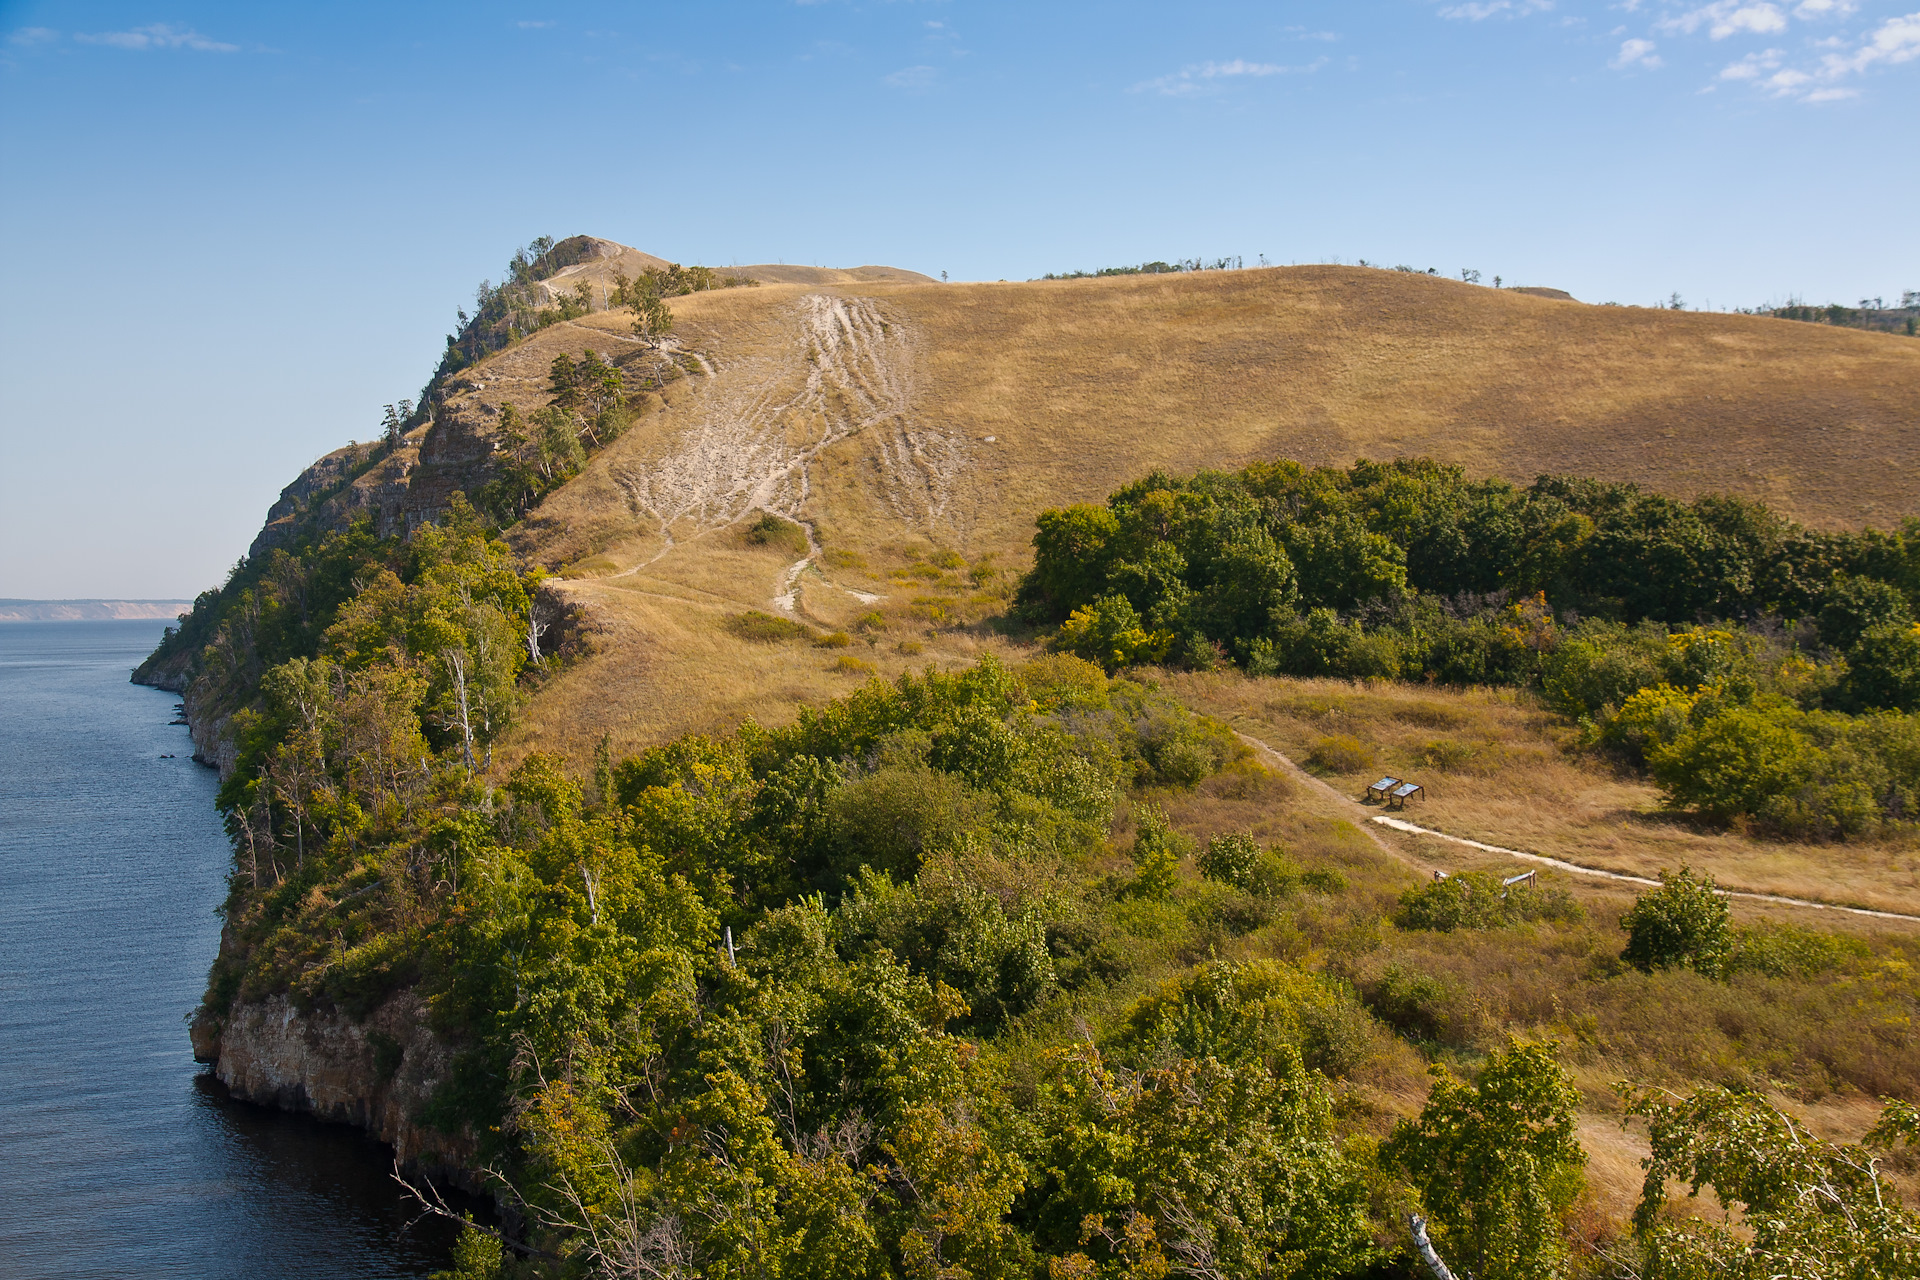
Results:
[967, 408]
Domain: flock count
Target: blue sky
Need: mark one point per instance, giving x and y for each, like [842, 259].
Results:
[237, 230]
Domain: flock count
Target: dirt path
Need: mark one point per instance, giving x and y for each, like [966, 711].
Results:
[1359, 811]
[762, 426]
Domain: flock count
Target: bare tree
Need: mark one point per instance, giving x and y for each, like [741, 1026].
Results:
[456, 662]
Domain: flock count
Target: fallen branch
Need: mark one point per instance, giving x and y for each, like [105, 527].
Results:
[434, 1205]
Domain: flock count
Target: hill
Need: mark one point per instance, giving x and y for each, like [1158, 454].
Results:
[906, 422]
[956, 897]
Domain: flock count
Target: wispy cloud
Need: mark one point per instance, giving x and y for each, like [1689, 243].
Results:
[1754, 65]
[1481, 10]
[534, 26]
[911, 78]
[1636, 53]
[1824, 8]
[1725, 18]
[1205, 77]
[160, 35]
[1824, 64]
[30, 36]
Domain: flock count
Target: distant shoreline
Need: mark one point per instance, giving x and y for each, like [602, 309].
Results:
[92, 610]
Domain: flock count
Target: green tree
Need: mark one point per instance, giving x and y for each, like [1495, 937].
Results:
[1496, 1164]
[1682, 924]
[1812, 1209]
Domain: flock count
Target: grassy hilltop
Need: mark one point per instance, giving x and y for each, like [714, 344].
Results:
[1083, 385]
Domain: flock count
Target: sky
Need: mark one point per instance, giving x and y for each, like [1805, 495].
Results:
[239, 230]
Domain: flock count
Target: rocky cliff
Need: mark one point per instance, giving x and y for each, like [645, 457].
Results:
[376, 1074]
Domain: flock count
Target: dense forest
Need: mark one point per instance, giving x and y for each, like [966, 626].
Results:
[1760, 669]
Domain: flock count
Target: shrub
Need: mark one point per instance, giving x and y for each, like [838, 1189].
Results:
[765, 628]
[1157, 850]
[1788, 951]
[1682, 924]
[1856, 606]
[1341, 753]
[1232, 859]
[1108, 632]
[834, 640]
[1449, 756]
[847, 664]
[772, 531]
[1736, 762]
[1477, 900]
[1422, 1006]
[1239, 1013]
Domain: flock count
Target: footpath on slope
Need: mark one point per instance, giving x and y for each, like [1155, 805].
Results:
[1355, 808]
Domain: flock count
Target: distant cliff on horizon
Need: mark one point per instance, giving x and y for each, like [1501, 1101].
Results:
[91, 610]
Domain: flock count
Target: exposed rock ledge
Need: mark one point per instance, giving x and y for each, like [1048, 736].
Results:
[375, 1075]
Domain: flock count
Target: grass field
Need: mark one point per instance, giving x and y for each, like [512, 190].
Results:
[1496, 769]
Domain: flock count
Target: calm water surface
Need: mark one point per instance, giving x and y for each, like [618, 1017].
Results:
[117, 1156]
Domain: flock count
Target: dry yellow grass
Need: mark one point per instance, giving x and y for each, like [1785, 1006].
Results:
[1495, 771]
[966, 409]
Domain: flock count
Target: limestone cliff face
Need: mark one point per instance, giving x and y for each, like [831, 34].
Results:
[375, 1075]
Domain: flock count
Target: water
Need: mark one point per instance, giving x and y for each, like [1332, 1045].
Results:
[118, 1157]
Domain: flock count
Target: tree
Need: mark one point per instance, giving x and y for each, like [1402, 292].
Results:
[652, 320]
[1497, 1164]
[1682, 924]
[1883, 668]
[1813, 1209]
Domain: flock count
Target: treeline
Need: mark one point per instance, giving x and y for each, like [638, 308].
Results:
[1870, 314]
[506, 312]
[1672, 629]
[1155, 268]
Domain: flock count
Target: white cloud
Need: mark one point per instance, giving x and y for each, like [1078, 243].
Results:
[533, 26]
[1725, 18]
[1824, 8]
[1831, 95]
[1481, 10]
[160, 35]
[1894, 41]
[911, 78]
[33, 35]
[1636, 53]
[1754, 65]
[1192, 80]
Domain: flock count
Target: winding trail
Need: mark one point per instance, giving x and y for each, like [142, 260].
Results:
[1359, 811]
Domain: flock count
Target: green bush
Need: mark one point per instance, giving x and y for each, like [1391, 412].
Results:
[772, 531]
[1423, 1007]
[1477, 900]
[1157, 850]
[1682, 924]
[1232, 858]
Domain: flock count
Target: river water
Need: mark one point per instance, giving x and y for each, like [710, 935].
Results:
[118, 1156]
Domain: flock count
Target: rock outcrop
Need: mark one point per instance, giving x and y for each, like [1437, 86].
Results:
[375, 1074]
